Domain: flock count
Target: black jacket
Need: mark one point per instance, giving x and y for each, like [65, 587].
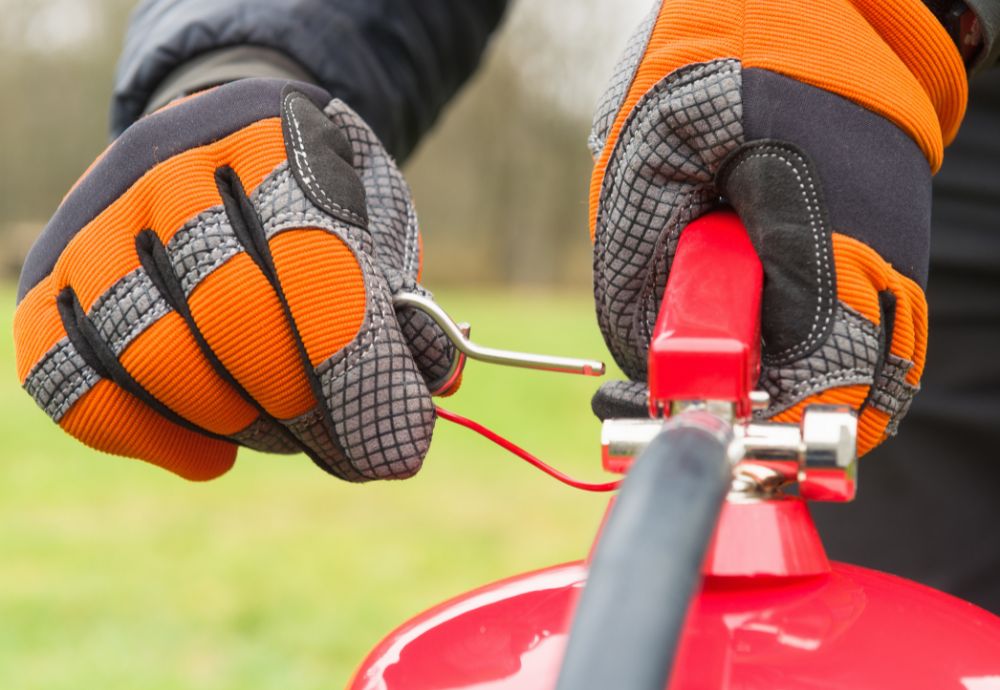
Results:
[397, 62]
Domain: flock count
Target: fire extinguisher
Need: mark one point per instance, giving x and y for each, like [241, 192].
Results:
[708, 572]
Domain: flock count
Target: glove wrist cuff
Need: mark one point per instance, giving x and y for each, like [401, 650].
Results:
[222, 66]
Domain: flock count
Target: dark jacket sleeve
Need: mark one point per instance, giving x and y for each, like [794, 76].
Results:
[397, 62]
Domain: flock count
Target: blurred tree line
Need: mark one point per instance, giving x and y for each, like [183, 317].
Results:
[500, 183]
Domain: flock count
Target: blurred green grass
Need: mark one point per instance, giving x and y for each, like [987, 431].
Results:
[114, 574]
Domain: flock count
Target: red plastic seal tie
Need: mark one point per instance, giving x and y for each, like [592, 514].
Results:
[525, 455]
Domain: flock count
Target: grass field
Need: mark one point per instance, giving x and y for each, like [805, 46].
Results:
[114, 574]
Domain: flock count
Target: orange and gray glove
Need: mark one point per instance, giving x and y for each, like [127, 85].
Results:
[222, 276]
[821, 123]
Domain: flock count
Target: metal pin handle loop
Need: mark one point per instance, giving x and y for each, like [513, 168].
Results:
[528, 360]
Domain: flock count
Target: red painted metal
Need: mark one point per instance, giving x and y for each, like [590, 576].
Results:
[850, 629]
[707, 340]
[827, 485]
[508, 634]
[616, 465]
[774, 538]
[772, 611]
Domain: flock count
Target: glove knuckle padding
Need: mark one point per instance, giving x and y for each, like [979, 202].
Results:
[225, 294]
[396, 239]
[821, 125]
[660, 176]
[392, 220]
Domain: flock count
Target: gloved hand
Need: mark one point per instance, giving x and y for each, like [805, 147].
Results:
[222, 276]
[821, 124]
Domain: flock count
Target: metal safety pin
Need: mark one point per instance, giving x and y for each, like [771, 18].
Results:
[459, 336]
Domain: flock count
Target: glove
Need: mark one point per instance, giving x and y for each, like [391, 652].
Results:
[821, 124]
[223, 276]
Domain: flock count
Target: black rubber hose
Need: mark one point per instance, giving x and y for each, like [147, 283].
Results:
[648, 560]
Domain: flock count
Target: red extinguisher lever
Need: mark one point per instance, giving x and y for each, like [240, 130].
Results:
[705, 355]
[706, 345]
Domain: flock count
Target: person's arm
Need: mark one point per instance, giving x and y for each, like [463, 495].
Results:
[396, 62]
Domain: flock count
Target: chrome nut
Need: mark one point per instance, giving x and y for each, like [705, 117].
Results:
[828, 470]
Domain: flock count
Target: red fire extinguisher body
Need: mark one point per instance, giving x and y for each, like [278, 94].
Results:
[849, 628]
[772, 613]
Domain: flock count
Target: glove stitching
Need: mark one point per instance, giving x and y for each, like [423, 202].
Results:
[855, 324]
[308, 176]
[313, 217]
[840, 376]
[309, 215]
[817, 329]
[295, 221]
[361, 137]
[411, 263]
[786, 399]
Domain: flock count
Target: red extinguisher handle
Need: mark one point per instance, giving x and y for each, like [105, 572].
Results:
[706, 344]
